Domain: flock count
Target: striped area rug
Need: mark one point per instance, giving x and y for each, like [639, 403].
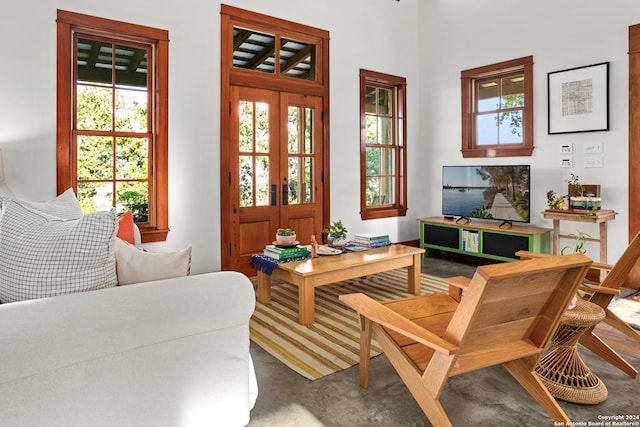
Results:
[331, 344]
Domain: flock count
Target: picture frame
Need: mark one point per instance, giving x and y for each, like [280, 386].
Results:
[578, 99]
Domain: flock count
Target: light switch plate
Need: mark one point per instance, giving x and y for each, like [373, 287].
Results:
[566, 162]
[566, 148]
[593, 161]
[593, 147]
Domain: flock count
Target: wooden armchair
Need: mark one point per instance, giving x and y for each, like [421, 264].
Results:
[507, 316]
[602, 294]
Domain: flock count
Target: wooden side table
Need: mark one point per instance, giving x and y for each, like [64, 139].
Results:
[561, 368]
[600, 217]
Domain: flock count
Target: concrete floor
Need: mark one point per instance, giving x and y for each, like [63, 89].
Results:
[489, 397]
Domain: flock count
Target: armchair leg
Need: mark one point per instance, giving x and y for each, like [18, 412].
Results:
[523, 373]
[621, 325]
[365, 350]
[599, 347]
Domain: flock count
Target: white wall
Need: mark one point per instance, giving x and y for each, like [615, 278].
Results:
[560, 35]
[429, 43]
[358, 29]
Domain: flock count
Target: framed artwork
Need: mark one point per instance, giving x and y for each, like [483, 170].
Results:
[579, 99]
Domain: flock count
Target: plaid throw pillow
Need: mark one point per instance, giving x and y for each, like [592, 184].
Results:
[64, 206]
[42, 255]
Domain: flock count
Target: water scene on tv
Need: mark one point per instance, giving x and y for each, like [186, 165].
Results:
[489, 192]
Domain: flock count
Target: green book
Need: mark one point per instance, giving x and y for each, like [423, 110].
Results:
[287, 250]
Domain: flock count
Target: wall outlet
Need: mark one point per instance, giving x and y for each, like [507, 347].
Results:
[593, 161]
[566, 162]
[592, 147]
[566, 148]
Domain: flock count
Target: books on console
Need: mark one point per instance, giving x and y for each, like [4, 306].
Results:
[281, 253]
[370, 240]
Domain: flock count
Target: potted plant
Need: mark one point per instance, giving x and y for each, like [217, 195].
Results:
[578, 248]
[336, 234]
[286, 237]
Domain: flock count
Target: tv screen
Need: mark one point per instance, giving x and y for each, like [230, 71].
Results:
[488, 192]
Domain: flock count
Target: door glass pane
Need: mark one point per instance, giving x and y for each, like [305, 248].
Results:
[246, 181]
[293, 130]
[262, 127]
[307, 185]
[308, 131]
[297, 59]
[253, 50]
[300, 147]
[262, 180]
[246, 126]
[295, 180]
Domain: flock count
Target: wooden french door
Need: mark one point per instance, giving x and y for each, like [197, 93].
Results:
[275, 163]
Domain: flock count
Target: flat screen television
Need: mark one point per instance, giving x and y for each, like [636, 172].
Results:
[488, 192]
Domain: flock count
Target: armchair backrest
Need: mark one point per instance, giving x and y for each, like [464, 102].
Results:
[510, 311]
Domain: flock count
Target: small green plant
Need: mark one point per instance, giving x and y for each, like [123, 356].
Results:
[336, 228]
[579, 245]
[285, 232]
[574, 182]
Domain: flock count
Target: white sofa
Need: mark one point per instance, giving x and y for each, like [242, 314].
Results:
[173, 353]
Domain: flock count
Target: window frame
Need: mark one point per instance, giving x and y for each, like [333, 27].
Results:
[468, 80]
[399, 86]
[68, 23]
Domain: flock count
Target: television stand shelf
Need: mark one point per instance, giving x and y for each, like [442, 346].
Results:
[482, 238]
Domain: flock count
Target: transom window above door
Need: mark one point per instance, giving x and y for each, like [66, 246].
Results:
[256, 50]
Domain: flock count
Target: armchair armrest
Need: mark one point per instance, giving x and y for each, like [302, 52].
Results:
[599, 289]
[456, 285]
[524, 255]
[378, 313]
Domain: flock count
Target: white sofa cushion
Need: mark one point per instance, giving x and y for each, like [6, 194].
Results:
[43, 255]
[134, 265]
[64, 206]
[168, 353]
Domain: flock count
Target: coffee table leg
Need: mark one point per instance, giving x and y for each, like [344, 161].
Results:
[306, 304]
[264, 287]
[414, 275]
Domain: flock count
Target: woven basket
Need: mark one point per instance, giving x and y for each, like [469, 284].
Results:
[561, 369]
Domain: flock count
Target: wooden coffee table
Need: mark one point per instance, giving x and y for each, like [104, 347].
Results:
[325, 270]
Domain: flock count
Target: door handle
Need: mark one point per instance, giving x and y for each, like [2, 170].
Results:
[285, 196]
[274, 194]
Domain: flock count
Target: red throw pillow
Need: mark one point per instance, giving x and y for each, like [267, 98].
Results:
[125, 228]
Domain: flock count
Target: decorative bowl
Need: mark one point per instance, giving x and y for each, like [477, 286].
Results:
[286, 240]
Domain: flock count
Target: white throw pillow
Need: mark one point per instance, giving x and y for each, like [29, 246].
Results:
[65, 206]
[135, 265]
[42, 255]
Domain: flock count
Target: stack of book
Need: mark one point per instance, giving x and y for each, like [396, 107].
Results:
[372, 240]
[283, 253]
